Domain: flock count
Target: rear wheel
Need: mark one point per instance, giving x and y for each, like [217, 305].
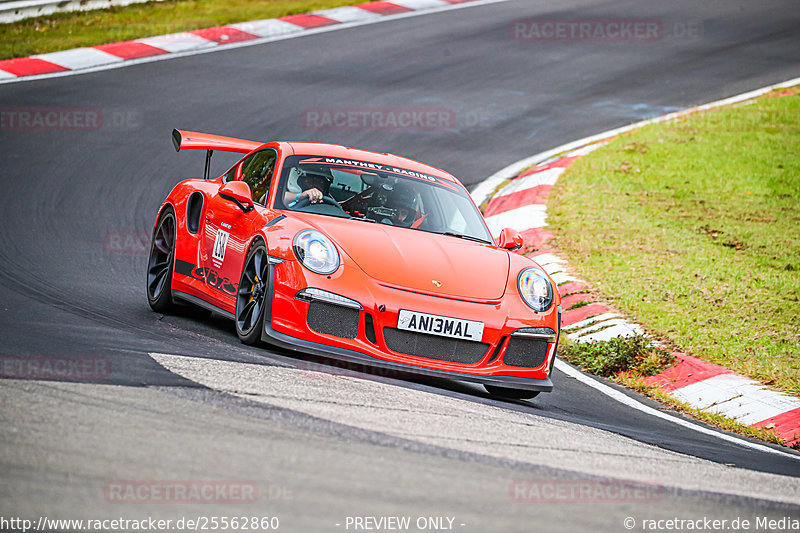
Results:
[160, 264]
[511, 394]
[252, 296]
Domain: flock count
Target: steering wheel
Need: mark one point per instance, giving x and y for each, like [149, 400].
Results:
[353, 201]
[305, 201]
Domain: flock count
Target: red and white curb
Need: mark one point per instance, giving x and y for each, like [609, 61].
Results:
[114, 55]
[521, 204]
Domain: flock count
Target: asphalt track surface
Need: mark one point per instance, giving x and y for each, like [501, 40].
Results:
[321, 442]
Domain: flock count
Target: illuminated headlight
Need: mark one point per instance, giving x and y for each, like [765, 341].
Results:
[316, 252]
[535, 288]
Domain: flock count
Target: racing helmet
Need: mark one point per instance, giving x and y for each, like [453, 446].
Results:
[316, 178]
[403, 197]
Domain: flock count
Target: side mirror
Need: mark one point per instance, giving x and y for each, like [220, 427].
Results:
[239, 193]
[510, 239]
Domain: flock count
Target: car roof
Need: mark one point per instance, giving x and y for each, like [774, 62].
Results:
[343, 152]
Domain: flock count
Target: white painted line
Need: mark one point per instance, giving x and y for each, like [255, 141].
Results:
[520, 219]
[582, 323]
[580, 152]
[621, 330]
[7, 75]
[178, 42]
[80, 58]
[211, 47]
[347, 14]
[635, 404]
[267, 27]
[545, 177]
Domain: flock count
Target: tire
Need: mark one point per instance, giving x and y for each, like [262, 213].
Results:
[252, 295]
[511, 394]
[161, 263]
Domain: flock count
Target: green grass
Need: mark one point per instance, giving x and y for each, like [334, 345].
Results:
[633, 355]
[63, 31]
[692, 228]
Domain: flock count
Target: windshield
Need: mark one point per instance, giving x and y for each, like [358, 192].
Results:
[381, 194]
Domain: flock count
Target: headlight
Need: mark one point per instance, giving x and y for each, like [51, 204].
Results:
[316, 252]
[535, 288]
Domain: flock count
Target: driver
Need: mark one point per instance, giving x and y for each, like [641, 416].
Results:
[315, 184]
[404, 202]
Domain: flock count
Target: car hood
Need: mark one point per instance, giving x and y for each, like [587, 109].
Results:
[420, 261]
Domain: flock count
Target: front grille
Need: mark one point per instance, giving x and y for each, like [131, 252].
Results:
[525, 352]
[333, 320]
[434, 346]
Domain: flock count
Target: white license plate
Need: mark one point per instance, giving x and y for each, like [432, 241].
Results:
[440, 325]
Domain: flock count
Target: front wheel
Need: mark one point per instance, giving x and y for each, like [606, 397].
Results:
[160, 262]
[511, 394]
[252, 296]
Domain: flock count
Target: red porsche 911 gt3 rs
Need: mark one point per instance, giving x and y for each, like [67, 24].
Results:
[359, 256]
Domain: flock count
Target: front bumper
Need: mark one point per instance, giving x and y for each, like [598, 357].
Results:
[286, 325]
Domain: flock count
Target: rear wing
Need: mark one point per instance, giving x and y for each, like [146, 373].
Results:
[192, 140]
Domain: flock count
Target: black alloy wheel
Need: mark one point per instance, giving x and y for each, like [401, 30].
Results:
[160, 264]
[252, 295]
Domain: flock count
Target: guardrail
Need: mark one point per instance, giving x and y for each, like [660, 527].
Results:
[18, 10]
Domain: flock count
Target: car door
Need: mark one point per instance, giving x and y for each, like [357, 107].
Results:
[228, 228]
